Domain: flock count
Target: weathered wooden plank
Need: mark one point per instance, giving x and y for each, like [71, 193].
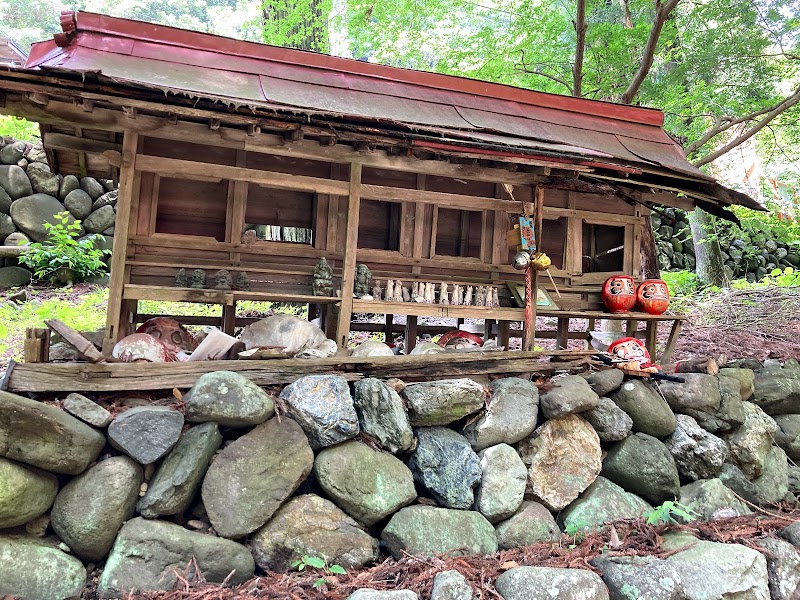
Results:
[395, 194]
[349, 260]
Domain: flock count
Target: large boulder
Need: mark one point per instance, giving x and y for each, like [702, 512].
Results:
[87, 410]
[78, 203]
[698, 392]
[709, 499]
[443, 402]
[510, 414]
[46, 437]
[30, 213]
[11, 154]
[369, 485]
[563, 459]
[788, 435]
[382, 415]
[43, 182]
[649, 412]
[251, 477]
[5, 202]
[714, 570]
[697, 453]
[750, 444]
[645, 577]
[179, 475]
[100, 220]
[729, 415]
[15, 182]
[91, 508]
[533, 523]
[323, 407]
[777, 390]
[609, 421]
[430, 530]
[228, 399]
[146, 433]
[569, 395]
[773, 483]
[311, 526]
[745, 377]
[445, 464]
[603, 502]
[25, 493]
[284, 331]
[546, 583]
[7, 226]
[91, 186]
[783, 568]
[149, 555]
[606, 381]
[32, 569]
[502, 487]
[14, 277]
[643, 466]
[68, 184]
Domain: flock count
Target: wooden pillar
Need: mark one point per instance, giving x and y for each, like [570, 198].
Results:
[117, 318]
[504, 334]
[349, 260]
[388, 332]
[411, 333]
[562, 334]
[651, 334]
[229, 318]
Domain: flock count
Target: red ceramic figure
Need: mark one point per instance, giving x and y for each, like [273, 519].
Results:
[618, 294]
[652, 296]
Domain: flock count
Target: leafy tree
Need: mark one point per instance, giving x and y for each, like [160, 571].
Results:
[299, 24]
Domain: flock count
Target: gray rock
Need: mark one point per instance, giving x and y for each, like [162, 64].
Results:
[14, 277]
[788, 435]
[745, 377]
[25, 493]
[148, 555]
[645, 577]
[697, 453]
[603, 502]
[7, 226]
[792, 533]
[68, 184]
[430, 531]
[100, 220]
[783, 568]
[510, 415]
[609, 421]
[15, 182]
[146, 433]
[79, 203]
[30, 213]
[533, 523]
[176, 480]
[323, 407]
[777, 391]
[5, 202]
[563, 459]
[445, 464]
[369, 485]
[12, 153]
[368, 594]
[729, 415]
[606, 381]
[311, 526]
[229, 399]
[773, 483]
[451, 585]
[43, 182]
[87, 410]
[443, 402]
[699, 392]
[372, 348]
[16, 239]
[92, 187]
[90, 510]
[251, 477]
[382, 415]
[750, 444]
[794, 478]
[32, 569]
[649, 412]
[107, 199]
[734, 479]
[45, 436]
[713, 570]
[502, 487]
[570, 395]
[546, 583]
[642, 465]
[709, 499]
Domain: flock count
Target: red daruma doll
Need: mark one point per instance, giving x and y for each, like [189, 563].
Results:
[634, 353]
[652, 297]
[618, 294]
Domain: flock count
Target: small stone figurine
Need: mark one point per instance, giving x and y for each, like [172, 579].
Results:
[363, 281]
[430, 293]
[406, 295]
[198, 279]
[241, 282]
[444, 295]
[414, 290]
[376, 290]
[223, 281]
[480, 296]
[468, 296]
[390, 290]
[323, 279]
[181, 281]
[495, 298]
[398, 291]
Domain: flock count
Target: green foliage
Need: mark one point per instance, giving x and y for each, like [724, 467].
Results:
[665, 513]
[19, 128]
[64, 249]
[297, 23]
[680, 283]
[321, 565]
[577, 531]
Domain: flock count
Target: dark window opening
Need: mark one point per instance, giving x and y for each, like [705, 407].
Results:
[458, 233]
[279, 215]
[187, 207]
[379, 225]
[603, 248]
[554, 240]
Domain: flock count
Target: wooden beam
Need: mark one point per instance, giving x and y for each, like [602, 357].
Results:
[394, 194]
[62, 141]
[349, 262]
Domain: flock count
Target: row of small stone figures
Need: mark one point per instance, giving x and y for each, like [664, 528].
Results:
[222, 279]
[426, 293]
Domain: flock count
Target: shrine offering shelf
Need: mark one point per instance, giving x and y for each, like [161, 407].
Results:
[420, 309]
[153, 292]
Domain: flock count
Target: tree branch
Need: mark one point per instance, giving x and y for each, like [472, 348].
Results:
[662, 14]
[580, 43]
[536, 71]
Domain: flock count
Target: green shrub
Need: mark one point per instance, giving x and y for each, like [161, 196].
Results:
[18, 128]
[680, 283]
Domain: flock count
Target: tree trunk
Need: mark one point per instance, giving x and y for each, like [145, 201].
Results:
[710, 266]
[649, 252]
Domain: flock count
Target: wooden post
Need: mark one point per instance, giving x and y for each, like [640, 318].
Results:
[116, 321]
[388, 335]
[37, 345]
[349, 260]
[411, 333]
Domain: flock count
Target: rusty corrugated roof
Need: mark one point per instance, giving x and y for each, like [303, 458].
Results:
[463, 111]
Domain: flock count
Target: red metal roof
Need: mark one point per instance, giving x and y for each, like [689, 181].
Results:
[460, 110]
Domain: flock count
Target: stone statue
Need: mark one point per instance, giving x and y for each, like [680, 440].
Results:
[456, 298]
[444, 295]
[406, 295]
[323, 279]
[390, 290]
[181, 281]
[223, 281]
[363, 281]
[468, 296]
[415, 290]
[430, 293]
[198, 279]
[398, 291]
[480, 297]
[241, 282]
[249, 237]
[376, 290]
[495, 297]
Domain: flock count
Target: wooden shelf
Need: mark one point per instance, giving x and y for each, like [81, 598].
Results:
[155, 292]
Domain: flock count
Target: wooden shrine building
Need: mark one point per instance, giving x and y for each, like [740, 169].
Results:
[417, 175]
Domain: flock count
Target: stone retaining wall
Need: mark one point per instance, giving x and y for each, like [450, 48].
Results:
[245, 479]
